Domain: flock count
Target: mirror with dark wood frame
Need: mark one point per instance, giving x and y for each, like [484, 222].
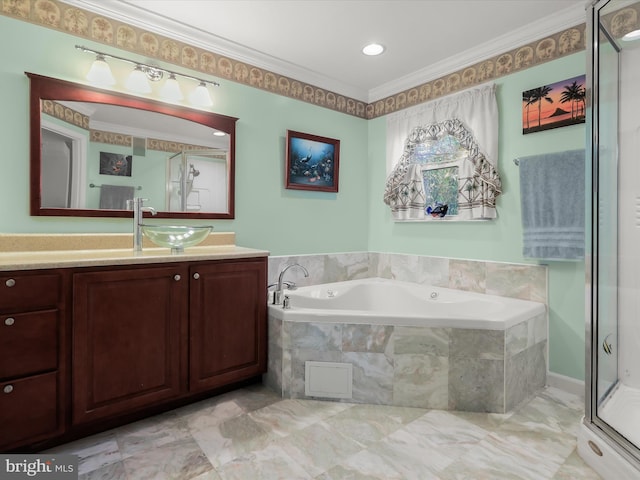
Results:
[92, 149]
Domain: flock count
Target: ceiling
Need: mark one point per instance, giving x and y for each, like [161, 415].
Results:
[319, 41]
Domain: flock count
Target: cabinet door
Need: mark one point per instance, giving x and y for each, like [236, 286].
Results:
[28, 343]
[29, 409]
[127, 326]
[227, 322]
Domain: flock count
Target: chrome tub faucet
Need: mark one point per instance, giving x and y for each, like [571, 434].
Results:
[278, 294]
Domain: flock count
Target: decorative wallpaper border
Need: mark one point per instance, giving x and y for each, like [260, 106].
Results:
[75, 21]
[64, 113]
[156, 144]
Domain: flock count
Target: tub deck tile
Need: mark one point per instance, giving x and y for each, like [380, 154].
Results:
[366, 338]
[421, 340]
[476, 384]
[372, 377]
[475, 343]
[421, 381]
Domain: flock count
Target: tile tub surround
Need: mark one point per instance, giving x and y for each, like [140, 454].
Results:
[444, 368]
[441, 373]
[514, 280]
[252, 433]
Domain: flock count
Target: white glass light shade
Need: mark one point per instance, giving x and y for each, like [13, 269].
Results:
[171, 89]
[200, 96]
[138, 82]
[631, 36]
[100, 72]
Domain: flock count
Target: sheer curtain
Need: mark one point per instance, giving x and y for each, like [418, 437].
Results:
[477, 110]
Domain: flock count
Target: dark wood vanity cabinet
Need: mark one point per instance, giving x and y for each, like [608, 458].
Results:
[83, 349]
[128, 326]
[32, 356]
[148, 335]
[227, 323]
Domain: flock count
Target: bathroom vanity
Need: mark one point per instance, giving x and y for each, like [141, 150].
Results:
[95, 338]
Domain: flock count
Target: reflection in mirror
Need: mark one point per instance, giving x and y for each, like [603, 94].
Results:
[197, 181]
[97, 149]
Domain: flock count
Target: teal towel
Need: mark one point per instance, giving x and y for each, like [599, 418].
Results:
[553, 205]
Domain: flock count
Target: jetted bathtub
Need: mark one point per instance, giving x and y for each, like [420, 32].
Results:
[381, 301]
[389, 342]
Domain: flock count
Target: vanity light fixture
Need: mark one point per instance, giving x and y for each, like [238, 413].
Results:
[142, 74]
[171, 89]
[200, 96]
[373, 49]
[100, 72]
[137, 81]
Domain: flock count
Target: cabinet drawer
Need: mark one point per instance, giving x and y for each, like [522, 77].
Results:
[29, 292]
[28, 343]
[28, 409]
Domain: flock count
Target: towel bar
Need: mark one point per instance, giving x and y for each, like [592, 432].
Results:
[93, 185]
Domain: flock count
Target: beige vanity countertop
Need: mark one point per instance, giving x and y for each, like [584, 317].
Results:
[37, 251]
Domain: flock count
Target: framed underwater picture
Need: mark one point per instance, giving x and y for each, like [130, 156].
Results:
[311, 162]
[115, 164]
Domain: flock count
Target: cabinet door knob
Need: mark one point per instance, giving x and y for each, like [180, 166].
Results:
[196, 275]
[10, 283]
[9, 321]
[8, 389]
[177, 277]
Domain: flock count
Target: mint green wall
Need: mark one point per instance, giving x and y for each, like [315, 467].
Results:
[268, 216]
[499, 240]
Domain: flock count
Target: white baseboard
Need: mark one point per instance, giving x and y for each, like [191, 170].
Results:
[568, 384]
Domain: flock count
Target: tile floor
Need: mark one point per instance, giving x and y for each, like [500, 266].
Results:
[253, 434]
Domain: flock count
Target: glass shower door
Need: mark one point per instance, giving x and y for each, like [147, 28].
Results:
[614, 401]
[606, 210]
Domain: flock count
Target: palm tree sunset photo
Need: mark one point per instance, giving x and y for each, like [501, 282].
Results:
[552, 106]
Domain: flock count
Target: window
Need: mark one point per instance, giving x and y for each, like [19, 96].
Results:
[442, 166]
[429, 144]
[440, 159]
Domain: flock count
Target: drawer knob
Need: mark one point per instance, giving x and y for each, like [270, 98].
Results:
[177, 277]
[9, 321]
[10, 283]
[8, 389]
[196, 276]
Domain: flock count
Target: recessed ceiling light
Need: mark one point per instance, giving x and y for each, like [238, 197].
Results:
[373, 49]
[634, 35]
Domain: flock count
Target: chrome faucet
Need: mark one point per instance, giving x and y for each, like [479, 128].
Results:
[137, 205]
[277, 295]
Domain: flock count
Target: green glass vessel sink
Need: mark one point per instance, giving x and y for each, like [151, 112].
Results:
[176, 237]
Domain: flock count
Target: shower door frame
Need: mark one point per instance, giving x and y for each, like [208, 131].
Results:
[591, 419]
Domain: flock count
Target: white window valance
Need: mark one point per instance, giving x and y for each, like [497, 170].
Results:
[472, 117]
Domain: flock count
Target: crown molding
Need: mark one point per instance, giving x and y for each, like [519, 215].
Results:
[135, 16]
[569, 17]
[146, 20]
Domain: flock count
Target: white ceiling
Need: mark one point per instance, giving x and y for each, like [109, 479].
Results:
[319, 41]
